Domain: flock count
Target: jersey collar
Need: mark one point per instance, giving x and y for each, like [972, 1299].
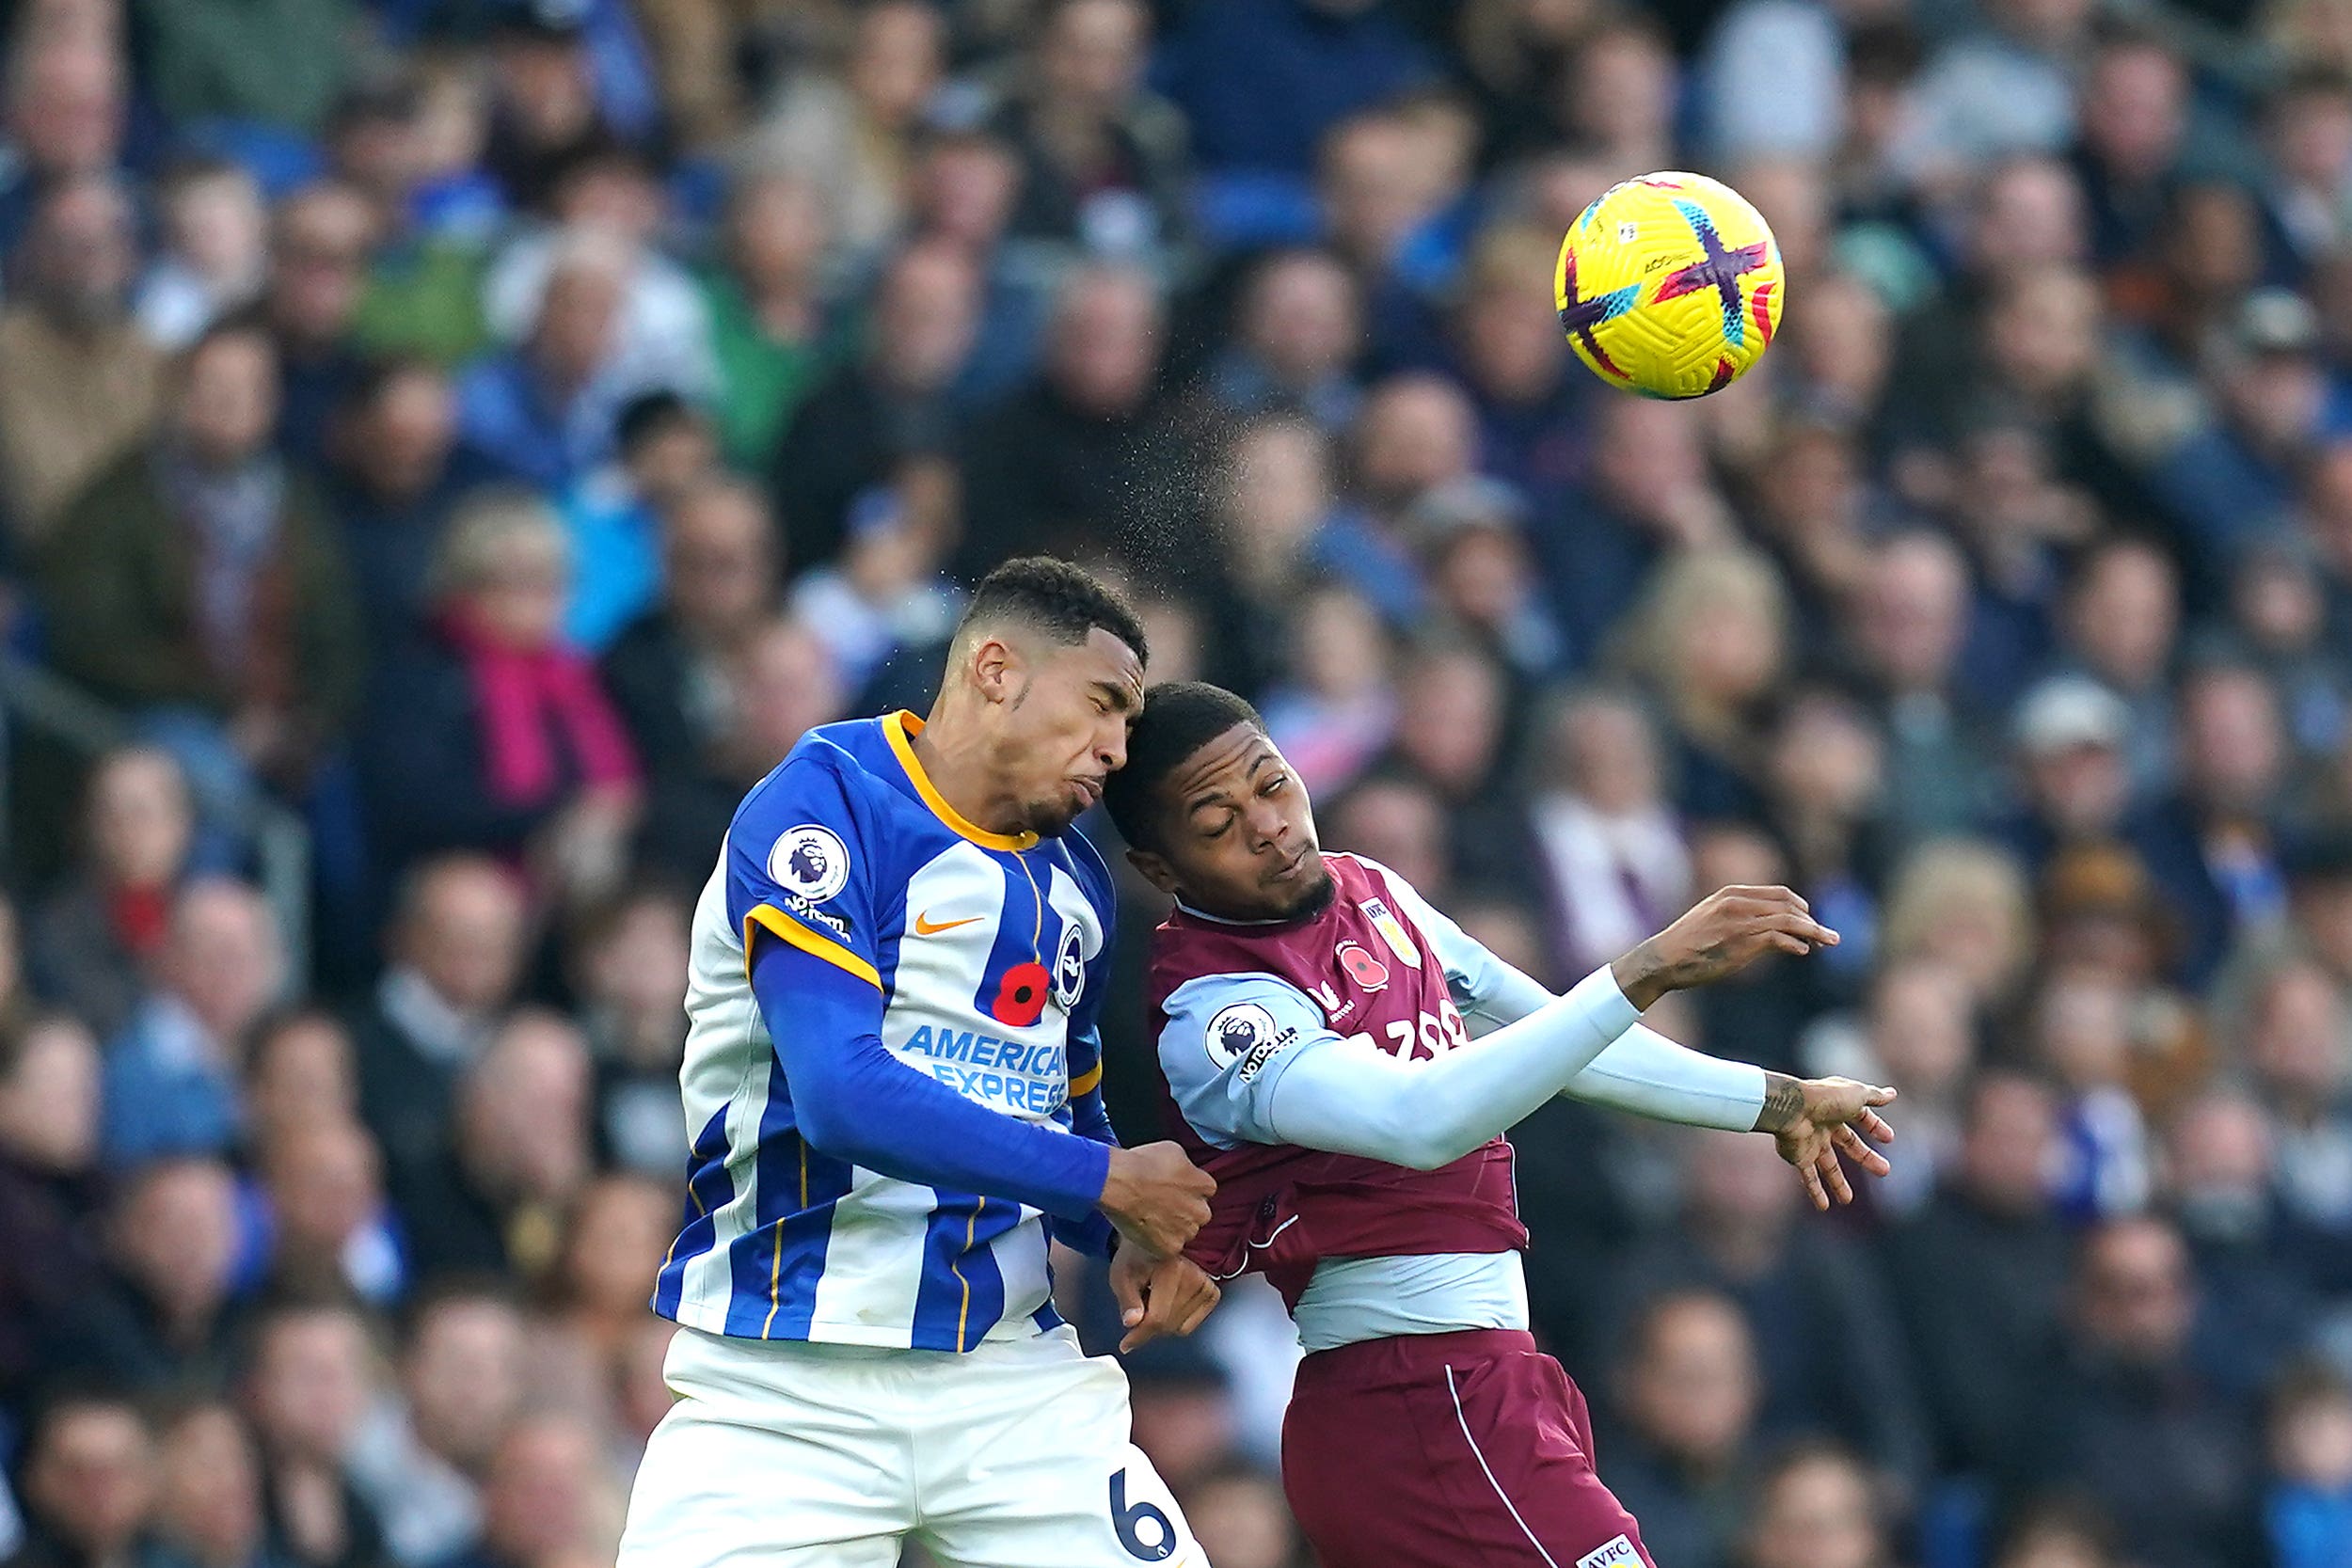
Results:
[900, 728]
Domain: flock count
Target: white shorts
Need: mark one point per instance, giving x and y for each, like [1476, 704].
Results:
[1016, 1454]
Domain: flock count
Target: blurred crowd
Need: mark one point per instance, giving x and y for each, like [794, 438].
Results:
[491, 431]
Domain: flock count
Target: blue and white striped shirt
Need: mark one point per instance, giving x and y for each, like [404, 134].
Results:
[979, 960]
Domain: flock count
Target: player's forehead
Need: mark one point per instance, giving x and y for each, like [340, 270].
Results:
[1222, 769]
[1100, 659]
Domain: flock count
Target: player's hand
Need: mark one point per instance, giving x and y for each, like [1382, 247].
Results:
[1722, 934]
[1156, 1197]
[1162, 1295]
[1814, 1120]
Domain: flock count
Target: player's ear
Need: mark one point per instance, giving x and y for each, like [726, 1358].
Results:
[996, 669]
[1153, 867]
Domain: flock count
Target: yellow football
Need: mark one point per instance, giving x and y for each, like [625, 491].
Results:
[1670, 285]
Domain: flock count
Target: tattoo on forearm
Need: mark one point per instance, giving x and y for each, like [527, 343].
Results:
[1784, 1102]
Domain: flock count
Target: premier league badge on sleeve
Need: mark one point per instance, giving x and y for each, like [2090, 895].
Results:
[1237, 1031]
[810, 861]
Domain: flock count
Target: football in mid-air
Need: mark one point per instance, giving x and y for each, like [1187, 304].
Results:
[1670, 285]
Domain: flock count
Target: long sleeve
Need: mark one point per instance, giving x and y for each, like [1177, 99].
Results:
[856, 1102]
[1641, 1073]
[1250, 1059]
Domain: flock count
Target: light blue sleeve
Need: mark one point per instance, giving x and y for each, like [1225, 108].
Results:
[1250, 1059]
[1641, 1073]
[1228, 1039]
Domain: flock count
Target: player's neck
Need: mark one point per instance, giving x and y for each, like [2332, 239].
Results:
[955, 757]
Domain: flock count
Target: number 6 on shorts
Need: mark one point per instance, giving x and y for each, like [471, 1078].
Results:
[1134, 1522]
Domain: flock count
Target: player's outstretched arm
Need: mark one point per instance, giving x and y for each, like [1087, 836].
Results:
[856, 1102]
[1347, 1096]
[1644, 1073]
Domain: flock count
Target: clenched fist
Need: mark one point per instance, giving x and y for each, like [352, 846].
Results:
[1156, 1197]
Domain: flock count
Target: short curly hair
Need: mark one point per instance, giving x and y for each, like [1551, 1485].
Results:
[1177, 718]
[1064, 601]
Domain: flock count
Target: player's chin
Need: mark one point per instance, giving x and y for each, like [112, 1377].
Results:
[1054, 817]
[1312, 891]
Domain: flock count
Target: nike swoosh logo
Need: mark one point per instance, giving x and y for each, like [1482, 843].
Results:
[923, 927]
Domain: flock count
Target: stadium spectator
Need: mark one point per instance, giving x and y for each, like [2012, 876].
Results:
[663, 445]
[1101, 160]
[172, 1073]
[671, 673]
[52, 1274]
[898, 398]
[548, 1494]
[774, 327]
[1964, 903]
[300, 1070]
[208, 1511]
[198, 584]
[887, 600]
[173, 1239]
[65, 117]
[79, 382]
[2307, 1507]
[2081, 1035]
[322, 1185]
[1738, 1238]
[1978, 1274]
[548, 100]
[965, 183]
[2118, 625]
[1817, 1504]
[395, 473]
[1343, 710]
[455, 959]
[2214, 846]
[419, 1460]
[305, 1387]
[1611, 854]
[2293, 1046]
[1400, 822]
[90, 944]
[1297, 332]
[320, 240]
[630, 981]
[1911, 623]
[2258, 1307]
[215, 248]
[2067, 738]
[1688, 1401]
[90, 1485]
[660, 337]
[1073, 461]
[1708, 645]
[848, 129]
[548, 408]
[515, 1155]
[603, 1273]
[1472, 537]
[2130, 1419]
[1916, 1026]
[492, 735]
